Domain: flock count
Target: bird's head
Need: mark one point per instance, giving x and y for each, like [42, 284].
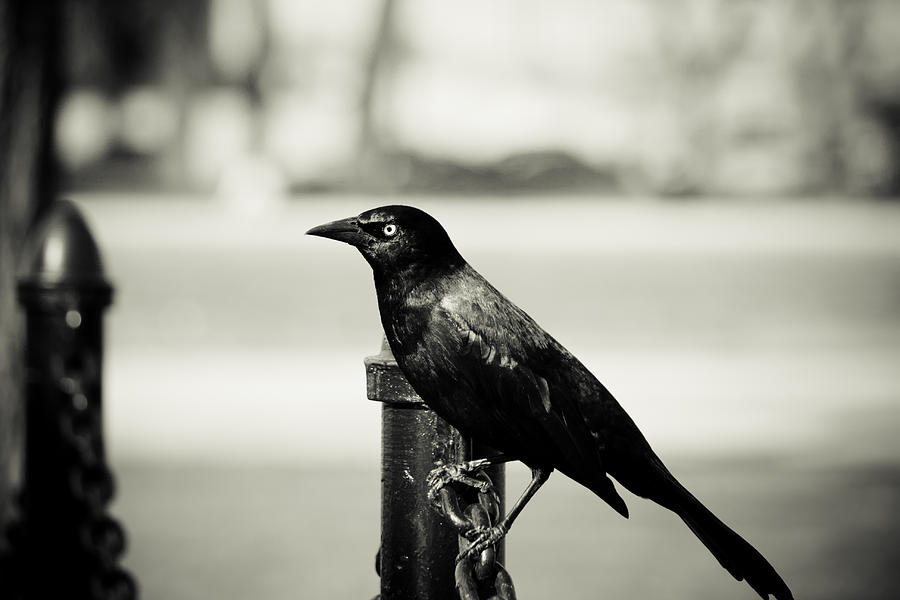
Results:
[394, 238]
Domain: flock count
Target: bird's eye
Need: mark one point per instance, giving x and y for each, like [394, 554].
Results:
[390, 229]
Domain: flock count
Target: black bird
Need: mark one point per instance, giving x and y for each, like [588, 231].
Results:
[482, 364]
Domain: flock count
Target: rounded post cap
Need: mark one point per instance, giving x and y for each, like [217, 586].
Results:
[60, 252]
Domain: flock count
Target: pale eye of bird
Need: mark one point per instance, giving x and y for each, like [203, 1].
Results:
[390, 229]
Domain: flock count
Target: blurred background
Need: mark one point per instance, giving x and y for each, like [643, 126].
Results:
[696, 197]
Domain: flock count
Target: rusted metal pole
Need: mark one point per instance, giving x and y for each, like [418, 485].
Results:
[66, 545]
[418, 545]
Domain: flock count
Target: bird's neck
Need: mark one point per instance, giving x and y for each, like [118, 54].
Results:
[407, 296]
[400, 280]
[401, 284]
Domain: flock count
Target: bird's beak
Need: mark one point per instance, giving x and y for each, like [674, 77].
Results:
[343, 230]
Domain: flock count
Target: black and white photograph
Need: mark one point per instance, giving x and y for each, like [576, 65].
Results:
[424, 300]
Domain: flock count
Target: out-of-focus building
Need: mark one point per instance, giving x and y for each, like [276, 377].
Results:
[648, 96]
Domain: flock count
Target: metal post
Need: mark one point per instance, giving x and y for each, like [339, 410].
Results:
[418, 546]
[65, 545]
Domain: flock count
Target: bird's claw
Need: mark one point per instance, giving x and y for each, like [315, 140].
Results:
[438, 478]
[443, 475]
[482, 538]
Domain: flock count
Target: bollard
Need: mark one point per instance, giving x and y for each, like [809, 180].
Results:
[65, 545]
[418, 546]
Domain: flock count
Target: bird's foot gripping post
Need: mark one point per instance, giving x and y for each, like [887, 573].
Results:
[442, 475]
[445, 499]
[477, 569]
[435, 499]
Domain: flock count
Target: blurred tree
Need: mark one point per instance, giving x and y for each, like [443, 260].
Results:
[112, 49]
[710, 38]
[373, 169]
[29, 89]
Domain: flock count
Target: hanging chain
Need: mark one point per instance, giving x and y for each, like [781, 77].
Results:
[91, 485]
[480, 576]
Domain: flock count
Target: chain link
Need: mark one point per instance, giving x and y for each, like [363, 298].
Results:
[91, 484]
[482, 576]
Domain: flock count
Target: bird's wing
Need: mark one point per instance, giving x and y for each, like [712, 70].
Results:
[521, 393]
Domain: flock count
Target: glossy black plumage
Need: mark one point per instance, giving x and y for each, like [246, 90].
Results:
[487, 368]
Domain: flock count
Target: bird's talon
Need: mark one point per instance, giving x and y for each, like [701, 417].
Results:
[482, 538]
[442, 475]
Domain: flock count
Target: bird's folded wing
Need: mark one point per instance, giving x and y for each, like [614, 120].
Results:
[521, 396]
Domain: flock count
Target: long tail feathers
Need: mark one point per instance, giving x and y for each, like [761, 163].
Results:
[646, 476]
[732, 551]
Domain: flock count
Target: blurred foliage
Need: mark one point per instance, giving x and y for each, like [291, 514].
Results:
[649, 96]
